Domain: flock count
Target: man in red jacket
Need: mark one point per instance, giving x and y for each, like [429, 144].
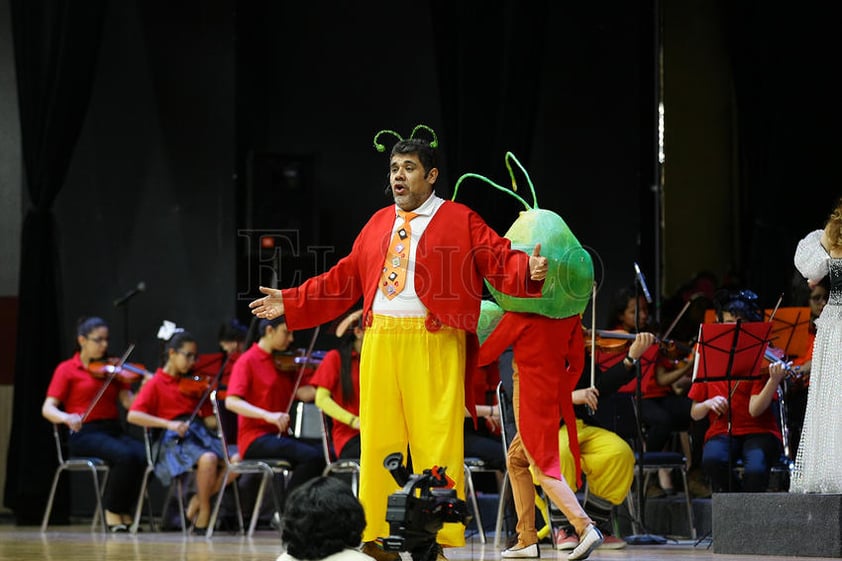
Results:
[420, 345]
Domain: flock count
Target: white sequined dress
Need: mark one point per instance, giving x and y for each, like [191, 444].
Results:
[818, 466]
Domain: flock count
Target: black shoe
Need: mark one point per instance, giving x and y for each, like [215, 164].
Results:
[118, 529]
[200, 531]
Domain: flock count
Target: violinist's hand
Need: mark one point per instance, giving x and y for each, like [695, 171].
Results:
[586, 396]
[538, 265]
[718, 404]
[279, 419]
[777, 371]
[270, 306]
[682, 385]
[73, 421]
[802, 375]
[492, 421]
[642, 341]
[492, 424]
[179, 427]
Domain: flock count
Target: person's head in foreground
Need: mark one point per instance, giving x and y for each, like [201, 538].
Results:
[322, 517]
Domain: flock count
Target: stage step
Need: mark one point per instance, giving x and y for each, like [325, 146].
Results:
[779, 524]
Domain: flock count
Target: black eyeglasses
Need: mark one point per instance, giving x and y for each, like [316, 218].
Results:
[97, 340]
[188, 356]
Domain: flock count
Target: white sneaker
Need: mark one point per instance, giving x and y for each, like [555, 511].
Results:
[525, 552]
[590, 539]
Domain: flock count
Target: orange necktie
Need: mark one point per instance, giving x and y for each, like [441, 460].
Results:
[394, 268]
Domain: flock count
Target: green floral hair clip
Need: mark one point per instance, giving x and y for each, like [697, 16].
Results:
[382, 148]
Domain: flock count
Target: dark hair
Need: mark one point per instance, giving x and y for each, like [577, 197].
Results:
[617, 306]
[740, 303]
[428, 155]
[346, 353]
[824, 283]
[232, 330]
[175, 343]
[257, 328]
[322, 517]
[264, 323]
[86, 325]
[801, 289]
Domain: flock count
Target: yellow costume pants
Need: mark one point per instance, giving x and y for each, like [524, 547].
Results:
[412, 392]
[607, 461]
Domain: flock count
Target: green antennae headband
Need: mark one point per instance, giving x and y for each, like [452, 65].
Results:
[382, 148]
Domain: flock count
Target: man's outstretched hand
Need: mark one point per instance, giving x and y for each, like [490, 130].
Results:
[270, 306]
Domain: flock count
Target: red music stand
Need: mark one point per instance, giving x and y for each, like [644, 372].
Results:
[790, 329]
[730, 351]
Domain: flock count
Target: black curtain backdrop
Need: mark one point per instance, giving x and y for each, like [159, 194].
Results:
[490, 57]
[56, 47]
[785, 95]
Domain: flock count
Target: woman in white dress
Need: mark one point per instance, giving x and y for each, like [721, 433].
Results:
[818, 466]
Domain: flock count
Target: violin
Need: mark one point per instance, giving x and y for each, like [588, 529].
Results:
[207, 365]
[619, 341]
[194, 385]
[288, 362]
[774, 354]
[199, 386]
[611, 341]
[127, 372]
[675, 350]
[284, 361]
[114, 369]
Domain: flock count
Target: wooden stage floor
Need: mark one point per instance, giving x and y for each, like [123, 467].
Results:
[78, 543]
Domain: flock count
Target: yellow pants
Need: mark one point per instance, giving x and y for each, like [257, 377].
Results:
[412, 392]
[607, 461]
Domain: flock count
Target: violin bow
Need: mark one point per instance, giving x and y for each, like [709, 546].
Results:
[593, 335]
[213, 384]
[778, 305]
[303, 367]
[772, 315]
[111, 375]
[768, 355]
[593, 344]
[665, 336]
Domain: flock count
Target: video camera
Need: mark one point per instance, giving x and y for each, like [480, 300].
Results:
[419, 510]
